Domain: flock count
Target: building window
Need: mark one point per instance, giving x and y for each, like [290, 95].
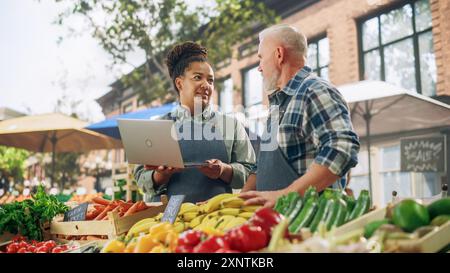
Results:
[397, 47]
[252, 87]
[226, 96]
[127, 108]
[319, 56]
[140, 102]
[253, 96]
[359, 176]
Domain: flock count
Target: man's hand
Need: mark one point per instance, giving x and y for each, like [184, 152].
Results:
[265, 198]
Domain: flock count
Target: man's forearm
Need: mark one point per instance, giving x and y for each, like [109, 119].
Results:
[250, 185]
[317, 176]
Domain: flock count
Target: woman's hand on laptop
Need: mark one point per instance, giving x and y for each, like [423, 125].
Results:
[162, 174]
[163, 169]
[217, 169]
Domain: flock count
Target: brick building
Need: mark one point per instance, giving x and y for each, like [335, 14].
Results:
[406, 43]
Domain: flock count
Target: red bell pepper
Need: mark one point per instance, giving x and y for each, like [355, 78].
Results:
[266, 218]
[184, 249]
[247, 238]
[211, 245]
[191, 238]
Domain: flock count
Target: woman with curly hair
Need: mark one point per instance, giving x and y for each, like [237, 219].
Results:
[228, 154]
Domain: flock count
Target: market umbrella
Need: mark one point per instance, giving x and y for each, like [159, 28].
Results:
[52, 133]
[110, 128]
[380, 109]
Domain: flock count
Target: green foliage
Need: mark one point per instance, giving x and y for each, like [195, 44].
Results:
[27, 217]
[155, 26]
[12, 161]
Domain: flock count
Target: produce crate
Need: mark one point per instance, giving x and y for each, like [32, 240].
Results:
[430, 243]
[6, 238]
[360, 222]
[110, 228]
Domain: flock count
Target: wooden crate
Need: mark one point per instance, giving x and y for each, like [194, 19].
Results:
[111, 228]
[430, 243]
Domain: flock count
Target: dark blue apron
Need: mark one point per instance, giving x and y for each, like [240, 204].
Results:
[196, 148]
[274, 171]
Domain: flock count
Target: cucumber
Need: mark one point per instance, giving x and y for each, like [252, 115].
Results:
[305, 217]
[319, 214]
[280, 204]
[362, 205]
[296, 210]
[311, 191]
[322, 216]
[331, 216]
[342, 213]
[292, 199]
[350, 200]
[371, 227]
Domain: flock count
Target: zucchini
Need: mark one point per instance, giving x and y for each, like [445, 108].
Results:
[332, 213]
[305, 216]
[291, 203]
[296, 210]
[325, 205]
[280, 204]
[362, 205]
[342, 213]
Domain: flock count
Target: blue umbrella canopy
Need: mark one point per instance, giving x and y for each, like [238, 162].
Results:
[110, 128]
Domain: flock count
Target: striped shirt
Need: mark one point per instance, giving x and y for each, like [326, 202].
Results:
[316, 126]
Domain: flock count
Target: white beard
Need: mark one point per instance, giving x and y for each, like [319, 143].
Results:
[270, 83]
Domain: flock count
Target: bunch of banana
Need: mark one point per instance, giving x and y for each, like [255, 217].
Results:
[141, 227]
[218, 214]
[222, 213]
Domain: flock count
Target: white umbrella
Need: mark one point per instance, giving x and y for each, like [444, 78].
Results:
[379, 108]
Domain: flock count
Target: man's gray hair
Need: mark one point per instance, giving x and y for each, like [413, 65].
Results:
[289, 36]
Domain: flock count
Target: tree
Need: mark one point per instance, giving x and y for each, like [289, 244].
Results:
[12, 161]
[154, 26]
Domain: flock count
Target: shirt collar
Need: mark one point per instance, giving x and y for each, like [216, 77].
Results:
[181, 113]
[292, 86]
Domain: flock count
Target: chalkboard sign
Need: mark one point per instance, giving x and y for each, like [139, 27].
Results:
[172, 209]
[77, 213]
[423, 154]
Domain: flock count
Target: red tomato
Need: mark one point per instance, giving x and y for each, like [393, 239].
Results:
[19, 238]
[57, 249]
[31, 248]
[50, 244]
[64, 247]
[34, 242]
[23, 250]
[23, 244]
[42, 249]
[12, 248]
[39, 244]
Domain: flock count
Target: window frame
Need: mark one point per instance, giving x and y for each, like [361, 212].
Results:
[219, 92]
[243, 71]
[380, 46]
[315, 40]
[124, 107]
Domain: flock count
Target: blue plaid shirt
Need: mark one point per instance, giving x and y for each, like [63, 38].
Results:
[316, 126]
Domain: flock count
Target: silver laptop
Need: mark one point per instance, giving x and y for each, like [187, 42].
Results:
[152, 142]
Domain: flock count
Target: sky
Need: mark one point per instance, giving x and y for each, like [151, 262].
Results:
[35, 70]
